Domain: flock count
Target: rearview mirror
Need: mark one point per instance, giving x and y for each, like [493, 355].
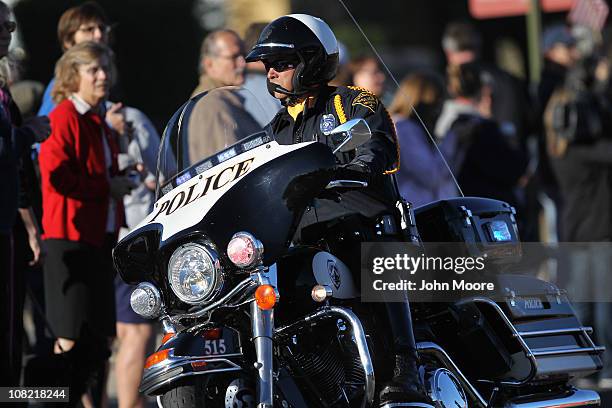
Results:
[350, 135]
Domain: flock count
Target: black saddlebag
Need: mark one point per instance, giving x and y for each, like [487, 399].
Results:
[528, 334]
[485, 227]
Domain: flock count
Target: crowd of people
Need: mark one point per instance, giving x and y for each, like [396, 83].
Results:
[95, 181]
[88, 179]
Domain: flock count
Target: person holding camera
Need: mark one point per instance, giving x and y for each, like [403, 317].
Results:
[578, 125]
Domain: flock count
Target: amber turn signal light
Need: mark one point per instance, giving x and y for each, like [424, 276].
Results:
[265, 297]
[157, 357]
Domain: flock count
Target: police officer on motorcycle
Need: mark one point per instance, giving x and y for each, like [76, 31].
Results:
[300, 54]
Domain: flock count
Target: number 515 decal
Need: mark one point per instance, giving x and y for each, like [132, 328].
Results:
[214, 347]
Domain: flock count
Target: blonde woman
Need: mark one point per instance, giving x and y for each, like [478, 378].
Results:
[423, 176]
[82, 213]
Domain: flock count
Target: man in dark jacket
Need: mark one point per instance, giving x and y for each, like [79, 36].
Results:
[14, 141]
[510, 103]
[300, 54]
[484, 161]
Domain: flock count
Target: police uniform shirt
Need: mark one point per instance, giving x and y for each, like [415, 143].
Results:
[332, 107]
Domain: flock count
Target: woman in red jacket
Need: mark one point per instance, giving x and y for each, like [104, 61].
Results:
[82, 212]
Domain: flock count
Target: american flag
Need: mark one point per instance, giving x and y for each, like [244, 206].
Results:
[590, 13]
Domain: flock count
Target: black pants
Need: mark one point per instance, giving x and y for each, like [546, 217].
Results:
[345, 227]
[400, 323]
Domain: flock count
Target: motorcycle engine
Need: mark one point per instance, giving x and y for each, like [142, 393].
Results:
[332, 366]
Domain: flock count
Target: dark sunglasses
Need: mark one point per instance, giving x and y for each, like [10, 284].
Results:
[9, 26]
[279, 65]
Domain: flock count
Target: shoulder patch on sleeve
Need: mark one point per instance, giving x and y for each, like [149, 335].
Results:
[366, 99]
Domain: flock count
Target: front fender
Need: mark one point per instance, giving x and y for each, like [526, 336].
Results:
[201, 352]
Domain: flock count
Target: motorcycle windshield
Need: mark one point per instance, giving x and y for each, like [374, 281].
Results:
[208, 130]
[220, 172]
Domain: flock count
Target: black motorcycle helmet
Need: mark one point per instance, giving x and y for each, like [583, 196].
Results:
[306, 39]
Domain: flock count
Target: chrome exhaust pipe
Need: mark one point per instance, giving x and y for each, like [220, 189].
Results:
[573, 398]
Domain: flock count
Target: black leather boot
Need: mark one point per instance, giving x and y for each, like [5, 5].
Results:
[405, 387]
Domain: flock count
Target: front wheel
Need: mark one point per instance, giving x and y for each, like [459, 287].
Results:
[209, 391]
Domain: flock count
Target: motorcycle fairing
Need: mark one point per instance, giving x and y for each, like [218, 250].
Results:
[278, 175]
[188, 204]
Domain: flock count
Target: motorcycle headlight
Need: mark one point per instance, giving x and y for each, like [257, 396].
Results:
[146, 300]
[194, 272]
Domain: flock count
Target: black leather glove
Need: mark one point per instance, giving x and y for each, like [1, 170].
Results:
[355, 170]
[303, 189]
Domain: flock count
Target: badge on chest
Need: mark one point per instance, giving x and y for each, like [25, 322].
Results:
[328, 123]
